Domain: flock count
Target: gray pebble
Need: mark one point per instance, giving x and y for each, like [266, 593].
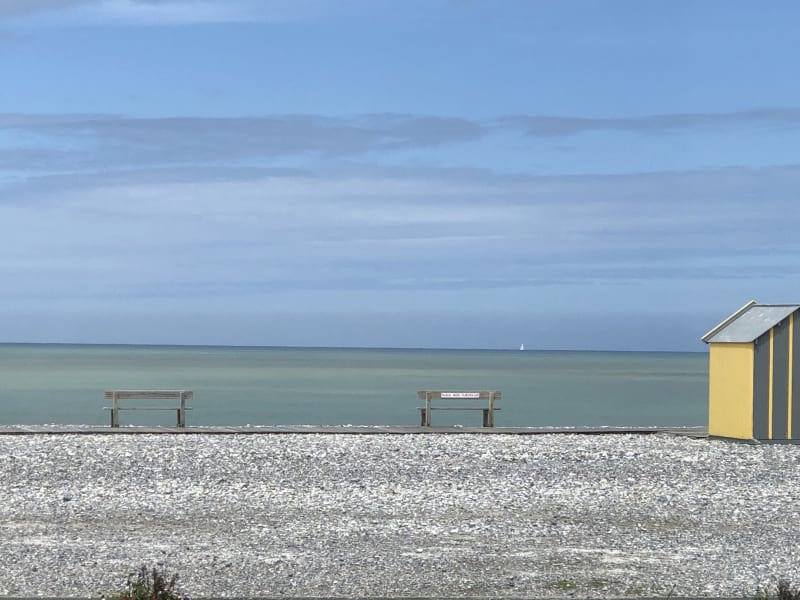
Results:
[603, 516]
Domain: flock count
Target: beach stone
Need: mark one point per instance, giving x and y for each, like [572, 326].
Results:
[398, 515]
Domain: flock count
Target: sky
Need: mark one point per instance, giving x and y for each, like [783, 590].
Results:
[584, 175]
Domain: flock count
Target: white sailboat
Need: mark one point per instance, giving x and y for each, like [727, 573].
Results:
[522, 346]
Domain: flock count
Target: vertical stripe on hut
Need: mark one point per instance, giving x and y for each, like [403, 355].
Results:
[780, 381]
[761, 369]
[795, 375]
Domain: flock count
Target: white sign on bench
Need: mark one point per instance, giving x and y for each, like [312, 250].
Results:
[116, 396]
[429, 397]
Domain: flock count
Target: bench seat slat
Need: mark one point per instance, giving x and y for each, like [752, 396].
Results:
[148, 408]
[461, 395]
[458, 408]
[146, 394]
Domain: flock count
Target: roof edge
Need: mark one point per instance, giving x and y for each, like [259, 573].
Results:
[728, 321]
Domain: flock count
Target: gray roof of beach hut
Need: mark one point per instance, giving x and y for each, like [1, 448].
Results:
[749, 322]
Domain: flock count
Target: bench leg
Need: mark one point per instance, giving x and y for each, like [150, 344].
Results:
[181, 417]
[488, 417]
[423, 417]
[114, 409]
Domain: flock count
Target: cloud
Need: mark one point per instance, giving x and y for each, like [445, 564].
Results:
[155, 12]
[312, 214]
[241, 235]
[558, 126]
[70, 141]
[173, 11]
[85, 142]
[13, 8]
[190, 247]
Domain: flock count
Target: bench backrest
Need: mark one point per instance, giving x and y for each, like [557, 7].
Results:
[474, 395]
[147, 394]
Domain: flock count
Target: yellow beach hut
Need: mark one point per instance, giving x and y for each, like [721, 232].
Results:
[754, 373]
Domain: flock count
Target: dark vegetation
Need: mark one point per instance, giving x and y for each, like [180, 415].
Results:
[157, 584]
[150, 584]
[783, 591]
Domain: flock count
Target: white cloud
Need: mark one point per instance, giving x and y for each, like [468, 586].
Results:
[156, 215]
[254, 236]
[411, 244]
[155, 12]
[172, 11]
[12, 8]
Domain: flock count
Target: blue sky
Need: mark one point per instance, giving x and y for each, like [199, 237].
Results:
[438, 173]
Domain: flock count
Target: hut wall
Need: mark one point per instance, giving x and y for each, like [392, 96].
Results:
[731, 394]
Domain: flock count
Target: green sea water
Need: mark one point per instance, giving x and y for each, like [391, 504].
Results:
[64, 384]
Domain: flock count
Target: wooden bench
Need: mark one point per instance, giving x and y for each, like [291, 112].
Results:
[489, 397]
[117, 395]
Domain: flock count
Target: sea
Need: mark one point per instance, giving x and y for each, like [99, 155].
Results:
[64, 384]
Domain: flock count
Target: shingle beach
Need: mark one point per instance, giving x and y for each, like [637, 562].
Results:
[409, 515]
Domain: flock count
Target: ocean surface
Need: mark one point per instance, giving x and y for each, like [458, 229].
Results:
[64, 384]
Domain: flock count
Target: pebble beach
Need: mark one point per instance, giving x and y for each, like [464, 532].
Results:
[602, 516]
